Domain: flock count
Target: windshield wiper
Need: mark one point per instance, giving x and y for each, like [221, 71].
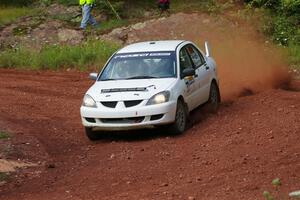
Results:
[141, 77]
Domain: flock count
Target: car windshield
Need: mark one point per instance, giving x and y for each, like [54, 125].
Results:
[140, 66]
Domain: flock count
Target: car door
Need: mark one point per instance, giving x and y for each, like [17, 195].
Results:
[186, 62]
[202, 76]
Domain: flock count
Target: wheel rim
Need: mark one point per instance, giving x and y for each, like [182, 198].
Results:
[180, 118]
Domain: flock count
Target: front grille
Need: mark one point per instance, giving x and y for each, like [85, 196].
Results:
[156, 117]
[110, 104]
[129, 120]
[132, 103]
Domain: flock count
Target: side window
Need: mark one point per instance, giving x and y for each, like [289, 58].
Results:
[185, 61]
[196, 56]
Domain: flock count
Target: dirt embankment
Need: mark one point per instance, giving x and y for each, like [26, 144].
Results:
[231, 155]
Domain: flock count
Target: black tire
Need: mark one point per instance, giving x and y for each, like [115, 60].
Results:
[91, 134]
[180, 123]
[214, 98]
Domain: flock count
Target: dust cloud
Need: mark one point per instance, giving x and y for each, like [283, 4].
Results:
[248, 64]
[247, 61]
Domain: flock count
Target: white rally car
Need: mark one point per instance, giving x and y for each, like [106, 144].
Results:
[150, 84]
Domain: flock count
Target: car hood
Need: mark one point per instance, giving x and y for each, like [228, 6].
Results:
[126, 90]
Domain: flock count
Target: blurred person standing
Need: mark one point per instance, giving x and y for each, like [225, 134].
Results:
[87, 7]
[164, 6]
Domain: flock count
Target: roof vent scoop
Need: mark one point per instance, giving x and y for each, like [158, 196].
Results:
[152, 43]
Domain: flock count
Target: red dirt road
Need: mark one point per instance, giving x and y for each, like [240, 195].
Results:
[234, 154]
[231, 155]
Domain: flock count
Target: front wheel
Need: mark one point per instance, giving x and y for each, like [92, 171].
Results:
[91, 134]
[180, 119]
[214, 98]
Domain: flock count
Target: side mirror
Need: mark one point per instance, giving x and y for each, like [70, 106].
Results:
[188, 72]
[93, 76]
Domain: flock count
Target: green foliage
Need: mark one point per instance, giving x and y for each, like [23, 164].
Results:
[89, 54]
[294, 54]
[283, 23]
[45, 2]
[111, 24]
[284, 31]
[264, 3]
[3, 135]
[10, 14]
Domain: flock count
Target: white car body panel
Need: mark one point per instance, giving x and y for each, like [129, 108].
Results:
[194, 93]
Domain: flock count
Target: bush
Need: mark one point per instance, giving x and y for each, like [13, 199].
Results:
[283, 30]
[283, 24]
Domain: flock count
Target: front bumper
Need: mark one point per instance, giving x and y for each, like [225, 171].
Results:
[104, 118]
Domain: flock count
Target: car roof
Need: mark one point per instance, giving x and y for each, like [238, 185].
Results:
[150, 46]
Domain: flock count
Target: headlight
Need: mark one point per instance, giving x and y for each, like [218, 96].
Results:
[88, 101]
[161, 97]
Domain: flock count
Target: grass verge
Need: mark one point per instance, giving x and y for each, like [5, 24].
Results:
[91, 54]
[111, 24]
[10, 14]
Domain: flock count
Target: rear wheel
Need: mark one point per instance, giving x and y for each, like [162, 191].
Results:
[91, 134]
[214, 98]
[180, 119]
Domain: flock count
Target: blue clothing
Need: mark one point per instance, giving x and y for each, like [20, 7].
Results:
[87, 17]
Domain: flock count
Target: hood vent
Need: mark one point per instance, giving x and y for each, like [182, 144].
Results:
[139, 89]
